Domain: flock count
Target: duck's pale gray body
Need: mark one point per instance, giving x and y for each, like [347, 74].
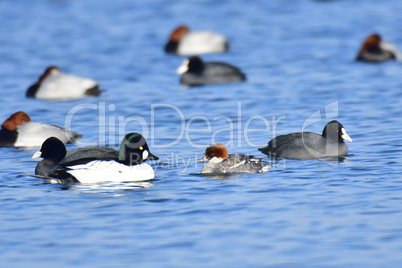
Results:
[237, 163]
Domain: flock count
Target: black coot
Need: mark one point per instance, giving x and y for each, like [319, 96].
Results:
[309, 145]
[195, 72]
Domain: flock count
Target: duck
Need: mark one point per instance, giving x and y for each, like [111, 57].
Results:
[310, 145]
[53, 84]
[196, 72]
[184, 42]
[375, 50]
[19, 131]
[56, 156]
[93, 166]
[219, 161]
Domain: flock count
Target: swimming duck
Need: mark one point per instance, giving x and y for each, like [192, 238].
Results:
[309, 145]
[195, 72]
[92, 166]
[182, 41]
[53, 84]
[19, 131]
[219, 161]
[374, 49]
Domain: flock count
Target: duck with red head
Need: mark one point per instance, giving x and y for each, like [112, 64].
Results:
[19, 131]
[53, 84]
[220, 161]
[374, 49]
[182, 41]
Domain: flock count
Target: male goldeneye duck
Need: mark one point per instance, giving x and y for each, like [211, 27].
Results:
[219, 161]
[182, 41]
[310, 145]
[374, 49]
[55, 85]
[195, 72]
[19, 131]
[129, 165]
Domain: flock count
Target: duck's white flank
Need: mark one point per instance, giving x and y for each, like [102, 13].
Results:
[64, 86]
[111, 171]
[391, 47]
[194, 43]
[32, 134]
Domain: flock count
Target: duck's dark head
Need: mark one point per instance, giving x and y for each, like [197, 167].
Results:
[134, 150]
[52, 149]
[372, 43]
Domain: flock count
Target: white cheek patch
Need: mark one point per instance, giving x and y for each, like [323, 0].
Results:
[145, 155]
[183, 67]
[345, 136]
[215, 160]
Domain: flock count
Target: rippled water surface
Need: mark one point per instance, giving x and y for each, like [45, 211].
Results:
[298, 56]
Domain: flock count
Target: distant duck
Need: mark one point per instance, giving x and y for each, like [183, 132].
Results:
[53, 84]
[310, 145]
[19, 131]
[374, 49]
[219, 161]
[182, 41]
[195, 72]
[94, 166]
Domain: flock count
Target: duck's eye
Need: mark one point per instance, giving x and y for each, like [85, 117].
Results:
[141, 148]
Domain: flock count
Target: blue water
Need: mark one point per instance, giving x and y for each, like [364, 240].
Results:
[299, 59]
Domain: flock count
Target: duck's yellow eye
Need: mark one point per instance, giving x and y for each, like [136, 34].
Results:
[141, 148]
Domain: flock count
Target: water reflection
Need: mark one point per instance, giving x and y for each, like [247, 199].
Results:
[219, 176]
[106, 187]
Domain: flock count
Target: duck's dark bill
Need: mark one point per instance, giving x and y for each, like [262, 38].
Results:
[152, 157]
